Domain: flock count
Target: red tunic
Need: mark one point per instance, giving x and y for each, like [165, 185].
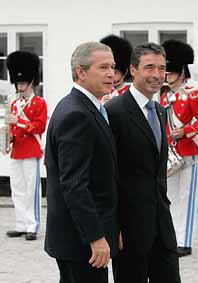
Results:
[185, 107]
[25, 145]
[119, 91]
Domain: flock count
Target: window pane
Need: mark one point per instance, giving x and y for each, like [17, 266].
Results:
[3, 54]
[135, 37]
[3, 44]
[3, 70]
[39, 90]
[177, 35]
[31, 41]
[41, 70]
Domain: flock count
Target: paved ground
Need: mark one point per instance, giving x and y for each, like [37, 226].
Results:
[26, 262]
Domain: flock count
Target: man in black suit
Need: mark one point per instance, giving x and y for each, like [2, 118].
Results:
[82, 232]
[147, 241]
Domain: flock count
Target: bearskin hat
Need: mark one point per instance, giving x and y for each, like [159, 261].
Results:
[178, 56]
[23, 66]
[122, 50]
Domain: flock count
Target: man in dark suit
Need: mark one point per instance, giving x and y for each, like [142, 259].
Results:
[147, 241]
[82, 232]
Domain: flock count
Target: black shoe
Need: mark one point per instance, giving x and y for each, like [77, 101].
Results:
[31, 236]
[184, 251]
[14, 234]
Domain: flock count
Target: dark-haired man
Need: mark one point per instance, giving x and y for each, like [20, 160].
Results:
[147, 239]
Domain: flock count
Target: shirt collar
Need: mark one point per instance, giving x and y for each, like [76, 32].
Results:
[93, 99]
[27, 99]
[139, 97]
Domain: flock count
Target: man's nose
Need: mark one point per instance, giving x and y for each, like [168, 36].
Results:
[158, 73]
[111, 72]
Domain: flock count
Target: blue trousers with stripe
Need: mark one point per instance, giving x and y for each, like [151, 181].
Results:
[182, 188]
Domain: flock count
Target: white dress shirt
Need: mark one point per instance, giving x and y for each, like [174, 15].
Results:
[140, 98]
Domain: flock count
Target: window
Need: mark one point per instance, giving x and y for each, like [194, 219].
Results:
[19, 37]
[138, 33]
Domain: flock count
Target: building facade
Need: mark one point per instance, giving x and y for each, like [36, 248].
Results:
[53, 29]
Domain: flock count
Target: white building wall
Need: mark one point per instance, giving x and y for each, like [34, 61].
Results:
[71, 22]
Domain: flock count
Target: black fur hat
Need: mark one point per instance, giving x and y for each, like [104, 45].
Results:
[23, 66]
[178, 56]
[122, 50]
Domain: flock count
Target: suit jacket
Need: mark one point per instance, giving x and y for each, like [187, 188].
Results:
[81, 180]
[144, 206]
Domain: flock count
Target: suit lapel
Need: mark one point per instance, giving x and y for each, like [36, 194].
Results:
[105, 129]
[137, 117]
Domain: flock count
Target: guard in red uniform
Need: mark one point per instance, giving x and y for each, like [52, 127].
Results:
[27, 122]
[122, 50]
[182, 99]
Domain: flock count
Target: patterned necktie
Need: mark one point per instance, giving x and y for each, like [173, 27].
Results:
[104, 113]
[154, 122]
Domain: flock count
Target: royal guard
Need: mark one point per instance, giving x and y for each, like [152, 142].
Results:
[122, 50]
[27, 121]
[181, 101]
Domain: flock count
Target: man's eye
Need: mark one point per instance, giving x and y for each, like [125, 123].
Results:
[163, 68]
[149, 67]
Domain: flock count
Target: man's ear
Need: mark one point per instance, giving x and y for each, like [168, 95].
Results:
[133, 70]
[80, 72]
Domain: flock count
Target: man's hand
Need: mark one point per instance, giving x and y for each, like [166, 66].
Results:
[120, 241]
[10, 119]
[100, 253]
[178, 133]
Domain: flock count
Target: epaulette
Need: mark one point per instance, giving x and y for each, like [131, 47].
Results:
[193, 93]
[189, 91]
